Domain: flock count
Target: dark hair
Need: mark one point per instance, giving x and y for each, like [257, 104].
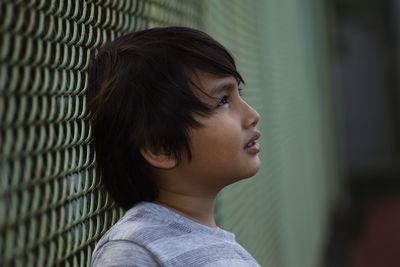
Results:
[139, 92]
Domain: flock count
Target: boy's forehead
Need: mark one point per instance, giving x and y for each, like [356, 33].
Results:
[213, 84]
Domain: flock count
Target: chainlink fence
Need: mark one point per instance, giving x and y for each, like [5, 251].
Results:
[52, 207]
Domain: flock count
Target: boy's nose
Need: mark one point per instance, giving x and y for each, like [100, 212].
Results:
[251, 116]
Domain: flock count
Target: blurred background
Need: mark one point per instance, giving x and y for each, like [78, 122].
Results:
[365, 229]
[323, 74]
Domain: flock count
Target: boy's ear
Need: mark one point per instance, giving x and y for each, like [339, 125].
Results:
[159, 160]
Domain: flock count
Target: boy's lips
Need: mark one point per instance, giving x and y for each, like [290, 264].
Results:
[251, 146]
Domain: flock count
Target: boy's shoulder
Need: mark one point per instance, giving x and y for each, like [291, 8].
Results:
[169, 238]
[147, 222]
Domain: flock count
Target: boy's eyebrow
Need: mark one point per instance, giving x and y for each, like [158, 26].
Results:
[222, 87]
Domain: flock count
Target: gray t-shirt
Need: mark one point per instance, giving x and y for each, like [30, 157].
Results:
[152, 235]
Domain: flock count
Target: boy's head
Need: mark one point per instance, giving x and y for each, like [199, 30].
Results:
[152, 105]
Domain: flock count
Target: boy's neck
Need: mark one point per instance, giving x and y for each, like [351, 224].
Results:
[195, 208]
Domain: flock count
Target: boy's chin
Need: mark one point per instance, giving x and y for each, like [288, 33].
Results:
[250, 172]
[254, 167]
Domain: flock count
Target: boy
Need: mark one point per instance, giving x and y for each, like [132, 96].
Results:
[170, 131]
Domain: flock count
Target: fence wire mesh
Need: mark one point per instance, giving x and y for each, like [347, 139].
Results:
[52, 207]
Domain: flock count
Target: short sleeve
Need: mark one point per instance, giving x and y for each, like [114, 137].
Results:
[122, 253]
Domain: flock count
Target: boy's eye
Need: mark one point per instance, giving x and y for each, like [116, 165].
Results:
[223, 101]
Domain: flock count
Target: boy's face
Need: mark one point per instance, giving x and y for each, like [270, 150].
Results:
[221, 153]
